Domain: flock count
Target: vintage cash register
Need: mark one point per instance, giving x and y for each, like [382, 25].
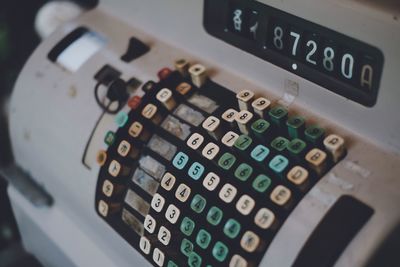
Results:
[212, 133]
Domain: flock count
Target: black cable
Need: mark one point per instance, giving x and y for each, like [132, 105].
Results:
[116, 92]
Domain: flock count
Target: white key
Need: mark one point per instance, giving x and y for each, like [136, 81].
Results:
[172, 213]
[249, 241]
[157, 203]
[334, 144]
[227, 193]
[210, 151]
[195, 141]
[244, 98]
[108, 188]
[166, 98]
[316, 159]
[229, 115]
[158, 257]
[145, 245]
[149, 224]
[123, 148]
[183, 192]
[242, 119]
[229, 138]
[211, 125]
[245, 204]
[281, 195]
[264, 218]
[103, 208]
[149, 111]
[198, 73]
[135, 129]
[211, 181]
[260, 106]
[164, 235]
[168, 181]
[115, 168]
[238, 261]
[297, 175]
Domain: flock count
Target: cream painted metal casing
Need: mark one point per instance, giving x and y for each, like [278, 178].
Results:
[53, 112]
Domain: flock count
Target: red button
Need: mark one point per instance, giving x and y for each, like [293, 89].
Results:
[134, 102]
[164, 73]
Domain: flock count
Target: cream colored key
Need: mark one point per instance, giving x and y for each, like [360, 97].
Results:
[210, 151]
[264, 218]
[198, 73]
[106, 209]
[123, 148]
[281, 195]
[335, 146]
[245, 204]
[238, 261]
[157, 203]
[182, 66]
[297, 175]
[164, 235]
[158, 257]
[183, 88]
[211, 181]
[316, 159]
[172, 214]
[195, 141]
[166, 98]
[115, 168]
[229, 138]
[145, 245]
[168, 181]
[227, 193]
[182, 192]
[229, 116]
[212, 126]
[101, 157]
[137, 130]
[243, 118]
[244, 98]
[261, 106]
[249, 241]
[149, 224]
[108, 188]
[150, 111]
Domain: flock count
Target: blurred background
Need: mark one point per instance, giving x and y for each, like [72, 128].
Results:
[23, 23]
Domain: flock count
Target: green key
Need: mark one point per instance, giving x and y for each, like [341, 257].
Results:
[280, 143]
[203, 239]
[214, 215]
[226, 161]
[194, 260]
[296, 146]
[243, 142]
[260, 127]
[187, 226]
[261, 183]
[278, 115]
[172, 264]
[314, 134]
[109, 138]
[220, 251]
[186, 247]
[296, 125]
[243, 171]
[232, 228]
[198, 203]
